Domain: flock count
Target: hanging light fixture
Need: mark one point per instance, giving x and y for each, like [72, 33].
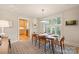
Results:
[43, 21]
[42, 12]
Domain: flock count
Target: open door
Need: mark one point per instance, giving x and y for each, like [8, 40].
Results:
[23, 29]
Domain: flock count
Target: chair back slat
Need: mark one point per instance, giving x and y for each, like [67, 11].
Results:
[34, 36]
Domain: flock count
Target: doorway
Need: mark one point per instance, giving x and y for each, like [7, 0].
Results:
[23, 29]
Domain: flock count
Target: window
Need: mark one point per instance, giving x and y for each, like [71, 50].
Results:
[53, 26]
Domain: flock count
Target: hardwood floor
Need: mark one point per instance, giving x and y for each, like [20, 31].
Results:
[23, 37]
[26, 47]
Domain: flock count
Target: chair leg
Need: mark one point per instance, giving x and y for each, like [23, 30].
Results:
[45, 47]
[49, 44]
[32, 41]
[61, 49]
[53, 48]
[63, 46]
[39, 43]
[35, 42]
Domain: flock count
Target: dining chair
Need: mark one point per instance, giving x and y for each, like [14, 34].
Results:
[9, 50]
[34, 38]
[9, 43]
[43, 41]
[60, 43]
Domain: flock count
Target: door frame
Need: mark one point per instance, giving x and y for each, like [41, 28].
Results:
[19, 26]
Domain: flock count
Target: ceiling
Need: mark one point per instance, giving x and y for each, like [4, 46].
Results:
[34, 10]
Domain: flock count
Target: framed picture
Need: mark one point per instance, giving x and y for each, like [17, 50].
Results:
[71, 22]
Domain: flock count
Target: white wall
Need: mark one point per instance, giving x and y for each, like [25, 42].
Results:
[12, 31]
[70, 32]
[32, 27]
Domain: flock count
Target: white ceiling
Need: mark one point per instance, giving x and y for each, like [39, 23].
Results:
[34, 10]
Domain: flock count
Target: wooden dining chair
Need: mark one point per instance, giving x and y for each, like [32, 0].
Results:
[43, 41]
[9, 43]
[34, 38]
[60, 43]
[9, 49]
